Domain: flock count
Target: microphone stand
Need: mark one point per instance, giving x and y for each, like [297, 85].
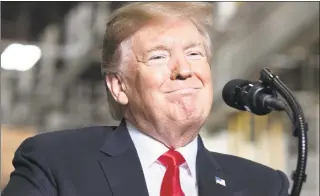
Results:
[300, 126]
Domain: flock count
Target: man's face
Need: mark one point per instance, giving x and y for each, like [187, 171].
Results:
[169, 77]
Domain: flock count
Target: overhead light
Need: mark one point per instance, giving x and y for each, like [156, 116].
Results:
[226, 10]
[20, 57]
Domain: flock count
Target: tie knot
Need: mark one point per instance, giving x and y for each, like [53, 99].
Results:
[171, 158]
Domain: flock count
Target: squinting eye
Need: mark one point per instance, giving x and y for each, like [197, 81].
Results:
[156, 57]
[194, 55]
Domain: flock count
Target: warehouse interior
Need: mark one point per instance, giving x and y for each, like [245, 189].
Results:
[63, 87]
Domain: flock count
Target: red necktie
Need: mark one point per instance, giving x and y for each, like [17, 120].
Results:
[171, 181]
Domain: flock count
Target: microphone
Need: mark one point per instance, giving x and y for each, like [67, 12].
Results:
[250, 96]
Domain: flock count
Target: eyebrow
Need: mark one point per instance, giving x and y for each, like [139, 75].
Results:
[157, 47]
[194, 44]
[164, 47]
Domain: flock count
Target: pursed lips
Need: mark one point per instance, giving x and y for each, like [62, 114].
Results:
[183, 90]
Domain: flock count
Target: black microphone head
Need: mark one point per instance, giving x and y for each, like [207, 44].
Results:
[231, 93]
[247, 96]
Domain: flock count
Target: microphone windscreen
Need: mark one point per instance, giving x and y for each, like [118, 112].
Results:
[229, 90]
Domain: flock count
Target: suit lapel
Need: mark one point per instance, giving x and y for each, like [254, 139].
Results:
[121, 165]
[209, 175]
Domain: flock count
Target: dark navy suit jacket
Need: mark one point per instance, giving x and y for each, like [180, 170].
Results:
[102, 161]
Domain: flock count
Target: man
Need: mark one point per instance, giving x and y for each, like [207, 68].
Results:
[156, 63]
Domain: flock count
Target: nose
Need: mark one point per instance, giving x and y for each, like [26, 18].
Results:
[181, 69]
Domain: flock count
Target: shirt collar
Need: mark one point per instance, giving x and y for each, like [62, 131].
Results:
[189, 153]
[149, 155]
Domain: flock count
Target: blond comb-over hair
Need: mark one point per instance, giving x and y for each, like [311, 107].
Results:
[130, 18]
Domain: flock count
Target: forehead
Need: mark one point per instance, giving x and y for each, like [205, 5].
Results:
[167, 33]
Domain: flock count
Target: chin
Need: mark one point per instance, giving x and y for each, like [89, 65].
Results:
[189, 109]
[192, 115]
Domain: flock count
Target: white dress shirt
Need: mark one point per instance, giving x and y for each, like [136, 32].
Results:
[149, 150]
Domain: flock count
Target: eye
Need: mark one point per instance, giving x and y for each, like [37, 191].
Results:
[156, 57]
[194, 55]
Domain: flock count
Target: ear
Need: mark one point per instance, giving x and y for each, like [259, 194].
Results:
[116, 87]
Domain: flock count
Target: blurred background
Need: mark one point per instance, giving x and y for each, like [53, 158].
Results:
[51, 79]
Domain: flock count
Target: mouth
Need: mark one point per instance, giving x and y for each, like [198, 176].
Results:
[184, 91]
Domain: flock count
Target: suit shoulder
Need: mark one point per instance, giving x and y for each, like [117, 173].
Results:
[258, 179]
[239, 166]
[67, 138]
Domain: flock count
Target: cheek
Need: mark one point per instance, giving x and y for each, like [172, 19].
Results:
[151, 80]
[203, 72]
[207, 77]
